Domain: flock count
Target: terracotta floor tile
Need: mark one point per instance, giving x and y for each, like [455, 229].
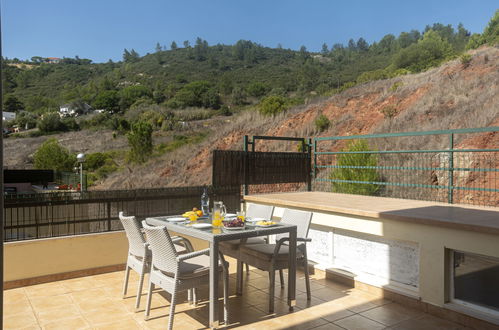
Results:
[105, 315]
[75, 323]
[329, 311]
[12, 295]
[56, 314]
[124, 323]
[40, 304]
[45, 290]
[427, 321]
[391, 314]
[327, 326]
[327, 294]
[358, 322]
[20, 321]
[14, 308]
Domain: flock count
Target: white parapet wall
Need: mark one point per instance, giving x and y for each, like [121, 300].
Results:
[399, 245]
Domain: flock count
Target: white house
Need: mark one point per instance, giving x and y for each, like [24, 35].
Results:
[8, 116]
[74, 110]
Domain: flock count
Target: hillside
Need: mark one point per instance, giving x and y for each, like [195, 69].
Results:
[450, 96]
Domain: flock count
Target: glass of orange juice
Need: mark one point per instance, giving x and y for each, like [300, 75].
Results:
[241, 215]
[217, 219]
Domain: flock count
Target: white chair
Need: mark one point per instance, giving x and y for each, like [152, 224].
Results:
[231, 248]
[272, 257]
[139, 255]
[174, 273]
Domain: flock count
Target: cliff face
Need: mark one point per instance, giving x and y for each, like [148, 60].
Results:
[450, 96]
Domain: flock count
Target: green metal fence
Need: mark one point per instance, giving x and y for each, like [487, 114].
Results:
[454, 166]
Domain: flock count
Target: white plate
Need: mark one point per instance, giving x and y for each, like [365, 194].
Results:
[201, 225]
[266, 226]
[230, 215]
[255, 219]
[233, 228]
[176, 219]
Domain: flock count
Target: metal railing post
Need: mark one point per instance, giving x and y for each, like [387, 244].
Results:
[450, 198]
[108, 216]
[309, 151]
[245, 185]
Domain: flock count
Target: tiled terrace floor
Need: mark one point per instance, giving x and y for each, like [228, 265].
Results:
[95, 302]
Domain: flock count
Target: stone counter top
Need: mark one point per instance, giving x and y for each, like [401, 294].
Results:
[456, 216]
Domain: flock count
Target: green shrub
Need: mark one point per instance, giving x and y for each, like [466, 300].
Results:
[322, 123]
[273, 105]
[51, 155]
[257, 89]
[395, 86]
[50, 122]
[349, 171]
[389, 111]
[465, 60]
[140, 142]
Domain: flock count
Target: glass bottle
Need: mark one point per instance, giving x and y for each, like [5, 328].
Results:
[205, 202]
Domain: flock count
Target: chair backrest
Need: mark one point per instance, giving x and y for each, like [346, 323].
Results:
[164, 255]
[260, 211]
[299, 218]
[136, 240]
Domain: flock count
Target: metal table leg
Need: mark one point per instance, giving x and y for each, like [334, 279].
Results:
[214, 284]
[292, 269]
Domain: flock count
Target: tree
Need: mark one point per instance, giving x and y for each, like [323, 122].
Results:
[107, 100]
[158, 48]
[362, 45]
[352, 46]
[325, 49]
[196, 94]
[187, 44]
[273, 105]
[257, 89]
[140, 142]
[12, 104]
[173, 45]
[52, 156]
[356, 167]
[50, 122]
[129, 95]
[130, 56]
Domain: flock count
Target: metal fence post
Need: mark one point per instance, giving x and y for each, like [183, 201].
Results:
[245, 185]
[108, 216]
[309, 150]
[451, 169]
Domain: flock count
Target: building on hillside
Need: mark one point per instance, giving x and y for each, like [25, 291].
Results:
[74, 110]
[6, 116]
[52, 60]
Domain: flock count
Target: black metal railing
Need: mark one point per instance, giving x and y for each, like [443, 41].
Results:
[72, 213]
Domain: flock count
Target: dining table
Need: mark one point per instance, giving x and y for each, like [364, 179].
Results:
[215, 235]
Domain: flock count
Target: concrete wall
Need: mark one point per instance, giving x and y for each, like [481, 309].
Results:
[52, 256]
[41, 257]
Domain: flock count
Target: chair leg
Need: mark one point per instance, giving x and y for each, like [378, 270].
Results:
[189, 296]
[247, 269]
[127, 276]
[139, 289]
[172, 308]
[271, 289]
[307, 277]
[281, 278]
[149, 296]
[194, 298]
[226, 292]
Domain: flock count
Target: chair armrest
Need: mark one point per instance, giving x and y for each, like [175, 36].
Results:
[193, 254]
[286, 239]
[184, 241]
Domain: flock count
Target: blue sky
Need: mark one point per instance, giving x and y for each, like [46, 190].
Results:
[101, 29]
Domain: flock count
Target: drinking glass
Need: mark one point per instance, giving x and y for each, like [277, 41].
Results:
[219, 212]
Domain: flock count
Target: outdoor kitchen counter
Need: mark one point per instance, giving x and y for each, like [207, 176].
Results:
[461, 217]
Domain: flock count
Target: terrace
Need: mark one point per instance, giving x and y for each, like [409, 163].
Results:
[388, 261]
[96, 302]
